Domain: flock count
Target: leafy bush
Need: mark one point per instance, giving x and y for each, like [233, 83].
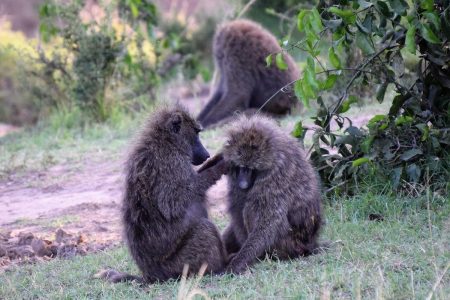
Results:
[410, 144]
[16, 105]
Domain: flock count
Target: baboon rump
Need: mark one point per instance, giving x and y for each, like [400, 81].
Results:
[245, 82]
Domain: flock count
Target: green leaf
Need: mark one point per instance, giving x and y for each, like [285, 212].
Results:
[279, 60]
[309, 91]
[410, 40]
[399, 6]
[298, 90]
[301, 19]
[364, 4]
[384, 8]
[376, 119]
[403, 120]
[381, 91]
[298, 130]
[395, 177]
[329, 82]
[427, 4]
[334, 59]
[347, 103]
[425, 130]
[413, 172]
[408, 155]
[347, 15]
[364, 43]
[434, 19]
[360, 161]
[269, 60]
[428, 34]
[316, 20]
[134, 9]
[311, 79]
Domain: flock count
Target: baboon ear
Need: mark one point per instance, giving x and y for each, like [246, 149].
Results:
[174, 123]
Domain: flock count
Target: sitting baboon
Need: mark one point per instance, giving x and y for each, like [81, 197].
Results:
[274, 194]
[164, 214]
[245, 82]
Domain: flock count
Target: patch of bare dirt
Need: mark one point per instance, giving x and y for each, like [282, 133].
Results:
[66, 211]
[7, 128]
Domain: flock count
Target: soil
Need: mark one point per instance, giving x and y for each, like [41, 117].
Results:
[68, 210]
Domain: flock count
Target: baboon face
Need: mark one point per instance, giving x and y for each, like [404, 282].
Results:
[185, 131]
[249, 151]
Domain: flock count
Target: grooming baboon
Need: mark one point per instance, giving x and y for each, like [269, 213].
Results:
[240, 49]
[274, 196]
[164, 214]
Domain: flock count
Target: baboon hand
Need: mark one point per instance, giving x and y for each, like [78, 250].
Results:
[234, 267]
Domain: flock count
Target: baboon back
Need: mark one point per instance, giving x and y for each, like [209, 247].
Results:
[164, 214]
[240, 49]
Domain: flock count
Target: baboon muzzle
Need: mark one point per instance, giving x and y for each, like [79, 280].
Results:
[245, 177]
[199, 154]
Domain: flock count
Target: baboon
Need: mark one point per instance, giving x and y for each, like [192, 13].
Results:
[274, 195]
[245, 82]
[164, 214]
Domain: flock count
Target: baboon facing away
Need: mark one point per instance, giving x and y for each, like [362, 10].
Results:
[164, 215]
[274, 195]
[245, 82]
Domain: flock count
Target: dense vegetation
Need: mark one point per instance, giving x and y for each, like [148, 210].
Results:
[401, 46]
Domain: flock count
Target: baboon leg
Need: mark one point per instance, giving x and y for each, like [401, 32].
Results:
[203, 246]
[232, 100]
[211, 102]
[230, 241]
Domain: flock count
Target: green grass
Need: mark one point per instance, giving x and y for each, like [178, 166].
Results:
[399, 258]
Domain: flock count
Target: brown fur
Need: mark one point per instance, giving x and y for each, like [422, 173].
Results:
[274, 196]
[240, 49]
[164, 214]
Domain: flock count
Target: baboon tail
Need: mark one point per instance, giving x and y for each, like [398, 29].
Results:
[324, 246]
[114, 276]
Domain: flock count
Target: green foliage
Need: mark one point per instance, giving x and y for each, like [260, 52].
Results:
[410, 144]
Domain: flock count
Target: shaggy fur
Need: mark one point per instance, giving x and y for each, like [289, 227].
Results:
[277, 211]
[240, 49]
[164, 214]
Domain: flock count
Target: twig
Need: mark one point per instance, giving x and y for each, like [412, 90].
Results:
[246, 8]
[336, 186]
[436, 284]
[276, 93]
[356, 75]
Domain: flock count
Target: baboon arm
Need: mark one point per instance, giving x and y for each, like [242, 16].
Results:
[207, 177]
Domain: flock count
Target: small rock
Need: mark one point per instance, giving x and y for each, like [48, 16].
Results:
[20, 252]
[61, 236]
[376, 217]
[5, 235]
[3, 251]
[25, 238]
[41, 248]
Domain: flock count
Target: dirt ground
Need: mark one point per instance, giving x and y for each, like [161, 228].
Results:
[69, 210]
[81, 204]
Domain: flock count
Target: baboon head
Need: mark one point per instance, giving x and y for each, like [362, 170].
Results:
[249, 149]
[183, 131]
